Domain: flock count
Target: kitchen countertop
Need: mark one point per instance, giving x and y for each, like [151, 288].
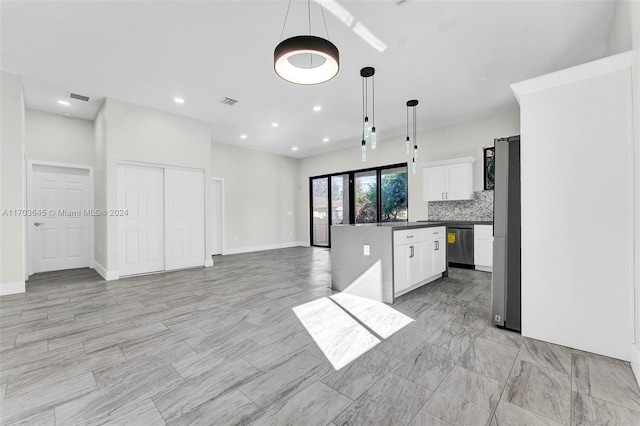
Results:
[459, 222]
[395, 226]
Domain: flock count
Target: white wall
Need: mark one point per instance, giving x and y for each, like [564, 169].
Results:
[619, 39]
[259, 190]
[577, 207]
[12, 194]
[59, 139]
[457, 140]
[127, 132]
[100, 185]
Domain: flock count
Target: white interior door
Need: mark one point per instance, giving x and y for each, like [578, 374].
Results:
[217, 216]
[184, 218]
[141, 229]
[61, 236]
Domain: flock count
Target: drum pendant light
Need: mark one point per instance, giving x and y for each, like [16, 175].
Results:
[412, 104]
[306, 70]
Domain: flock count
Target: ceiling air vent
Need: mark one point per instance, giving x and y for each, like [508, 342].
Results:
[79, 97]
[228, 101]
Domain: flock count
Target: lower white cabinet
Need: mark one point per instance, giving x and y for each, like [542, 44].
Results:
[483, 247]
[419, 257]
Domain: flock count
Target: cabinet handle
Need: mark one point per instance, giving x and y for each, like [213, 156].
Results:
[437, 245]
[409, 236]
[446, 195]
[443, 195]
[411, 255]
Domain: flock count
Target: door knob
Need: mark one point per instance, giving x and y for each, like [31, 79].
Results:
[38, 224]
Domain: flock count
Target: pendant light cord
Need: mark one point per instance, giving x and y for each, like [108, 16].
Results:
[415, 141]
[363, 103]
[373, 99]
[309, 12]
[323, 19]
[285, 20]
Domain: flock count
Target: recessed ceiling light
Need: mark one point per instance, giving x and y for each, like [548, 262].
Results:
[274, 124]
[66, 114]
[483, 77]
[178, 100]
[325, 140]
[294, 148]
[65, 103]
[317, 108]
[243, 136]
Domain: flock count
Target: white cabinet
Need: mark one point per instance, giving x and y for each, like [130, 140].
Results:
[448, 180]
[483, 247]
[419, 257]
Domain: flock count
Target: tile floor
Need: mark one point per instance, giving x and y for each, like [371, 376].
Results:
[222, 346]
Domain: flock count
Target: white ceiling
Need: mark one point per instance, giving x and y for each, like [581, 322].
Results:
[457, 58]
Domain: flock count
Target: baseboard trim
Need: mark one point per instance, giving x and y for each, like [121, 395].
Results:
[265, 247]
[635, 362]
[208, 263]
[106, 275]
[12, 288]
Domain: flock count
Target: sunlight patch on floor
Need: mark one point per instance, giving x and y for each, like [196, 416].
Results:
[340, 337]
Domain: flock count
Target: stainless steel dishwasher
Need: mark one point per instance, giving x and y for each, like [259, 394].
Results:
[460, 244]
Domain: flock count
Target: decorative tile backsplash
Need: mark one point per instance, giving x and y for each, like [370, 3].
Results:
[480, 208]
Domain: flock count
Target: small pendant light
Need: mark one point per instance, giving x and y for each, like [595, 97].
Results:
[368, 127]
[412, 104]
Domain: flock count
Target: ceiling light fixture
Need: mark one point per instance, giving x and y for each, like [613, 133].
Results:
[412, 104]
[65, 103]
[274, 124]
[243, 136]
[368, 128]
[325, 140]
[294, 148]
[178, 100]
[317, 108]
[293, 58]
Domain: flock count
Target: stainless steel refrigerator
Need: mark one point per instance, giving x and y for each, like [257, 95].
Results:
[505, 289]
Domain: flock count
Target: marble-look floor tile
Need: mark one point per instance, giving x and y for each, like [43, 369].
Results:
[502, 336]
[606, 379]
[473, 406]
[185, 396]
[540, 390]
[404, 341]
[43, 418]
[428, 365]
[271, 355]
[28, 404]
[474, 316]
[546, 355]
[142, 412]
[200, 362]
[455, 337]
[425, 419]
[126, 337]
[340, 338]
[121, 389]
[489, 359]
[49, 375]
[277, 385]
[354, 379]
[231, 408]
[592, 411]
[381, 318]
[392, 400]
[315, 405]
[508, 415]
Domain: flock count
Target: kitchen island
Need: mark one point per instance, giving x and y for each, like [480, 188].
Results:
[381, 261]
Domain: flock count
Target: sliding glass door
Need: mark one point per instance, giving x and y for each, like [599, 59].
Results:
[366, 188]
[320, 211]
[360, 196]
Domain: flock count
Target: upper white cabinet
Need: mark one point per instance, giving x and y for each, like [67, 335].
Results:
[448, 180]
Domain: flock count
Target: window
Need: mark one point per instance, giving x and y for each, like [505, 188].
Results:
[360, 196]
[489, 167]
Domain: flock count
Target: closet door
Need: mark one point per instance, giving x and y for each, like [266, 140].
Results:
[184, 219]
[141, 228]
